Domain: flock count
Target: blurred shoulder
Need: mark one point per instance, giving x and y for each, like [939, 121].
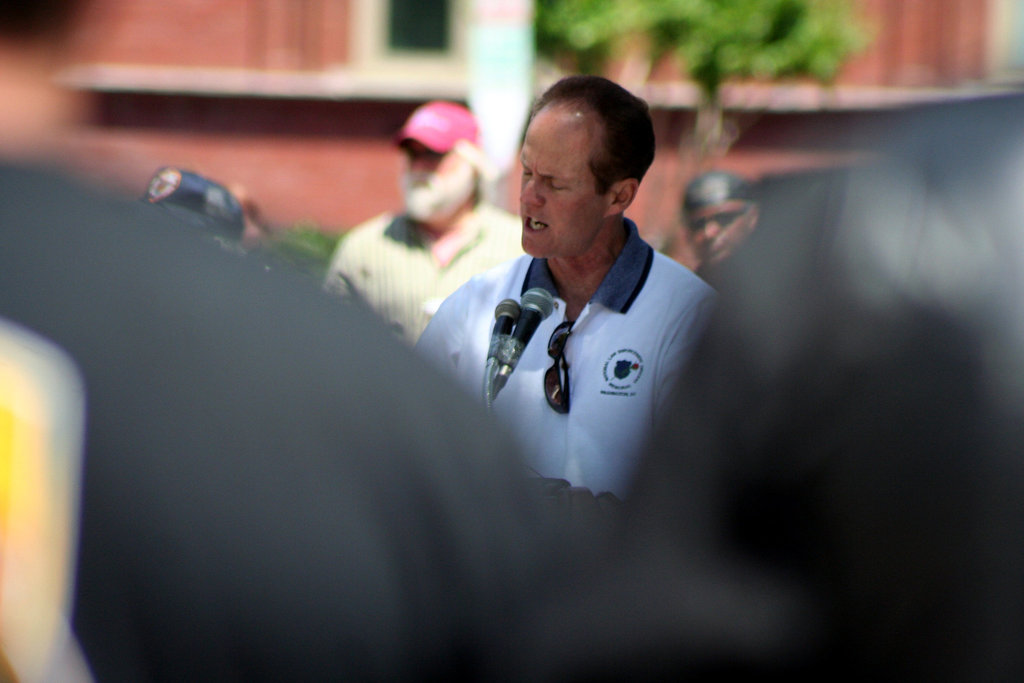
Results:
[371, 230]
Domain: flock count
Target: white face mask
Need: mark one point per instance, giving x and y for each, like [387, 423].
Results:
[433, 196]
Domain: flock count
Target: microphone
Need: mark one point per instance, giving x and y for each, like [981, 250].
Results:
[505, 316]
[536, 305]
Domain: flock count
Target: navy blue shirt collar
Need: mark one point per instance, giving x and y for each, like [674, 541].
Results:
[620, 285]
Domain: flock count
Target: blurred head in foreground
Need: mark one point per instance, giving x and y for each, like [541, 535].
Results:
[36, 108]
[211, 382]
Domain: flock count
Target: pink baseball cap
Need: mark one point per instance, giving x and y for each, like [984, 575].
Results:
[439, 125]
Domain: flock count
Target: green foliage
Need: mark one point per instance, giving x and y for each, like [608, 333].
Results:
[714, 40]
[305, 247]
[582, 31]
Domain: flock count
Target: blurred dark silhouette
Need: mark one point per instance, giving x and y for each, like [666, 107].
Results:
[274, 487]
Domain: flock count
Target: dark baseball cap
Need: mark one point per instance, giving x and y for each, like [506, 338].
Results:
[196, 200]
[715, 187]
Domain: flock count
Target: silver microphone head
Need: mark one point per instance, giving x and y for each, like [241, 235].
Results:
[508, 308]
[540, 300]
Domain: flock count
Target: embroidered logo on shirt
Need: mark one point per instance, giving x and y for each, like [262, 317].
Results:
[622, 371]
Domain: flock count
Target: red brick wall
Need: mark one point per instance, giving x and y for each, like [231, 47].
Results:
[915, 42]
[921, 43]
[258, 34]
[331, 162]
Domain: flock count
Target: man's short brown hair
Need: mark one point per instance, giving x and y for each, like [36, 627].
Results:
[628, 148]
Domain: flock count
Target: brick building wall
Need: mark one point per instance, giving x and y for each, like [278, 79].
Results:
[922, 43]
[246, 92]
[249, 34]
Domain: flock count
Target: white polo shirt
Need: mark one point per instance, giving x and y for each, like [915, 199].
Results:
[625, 353]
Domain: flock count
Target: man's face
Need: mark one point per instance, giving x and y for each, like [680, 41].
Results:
[434, 185]
[718, 229]
[562, 212]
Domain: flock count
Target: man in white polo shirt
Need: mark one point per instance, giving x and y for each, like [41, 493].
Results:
[587, 390]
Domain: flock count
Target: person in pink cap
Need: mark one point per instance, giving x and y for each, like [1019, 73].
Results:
[403, 264]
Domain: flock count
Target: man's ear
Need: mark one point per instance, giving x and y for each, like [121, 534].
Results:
[622, 194]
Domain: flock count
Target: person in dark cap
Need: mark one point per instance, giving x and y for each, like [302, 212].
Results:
[198, 201]
[719, 213]
[404, 264]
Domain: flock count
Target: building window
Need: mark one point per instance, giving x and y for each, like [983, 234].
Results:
[419, 25]
[411, 48]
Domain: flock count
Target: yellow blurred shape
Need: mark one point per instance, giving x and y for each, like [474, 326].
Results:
[41, 415]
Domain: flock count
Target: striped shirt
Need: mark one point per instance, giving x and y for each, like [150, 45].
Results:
[388, 263]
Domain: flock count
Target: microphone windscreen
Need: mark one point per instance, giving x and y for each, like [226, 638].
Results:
[540, 300]
[508, 308]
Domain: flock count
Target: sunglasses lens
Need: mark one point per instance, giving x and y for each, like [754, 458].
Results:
[723, 218]
[554, 390]
[557, 341]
